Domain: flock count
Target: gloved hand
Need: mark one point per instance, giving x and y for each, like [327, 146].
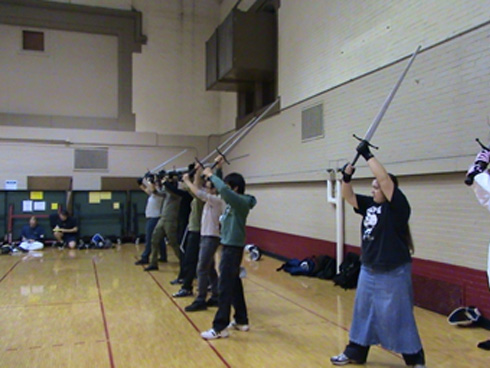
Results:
[140, 181]
[478, 166]
[363, 150]
[347, 172]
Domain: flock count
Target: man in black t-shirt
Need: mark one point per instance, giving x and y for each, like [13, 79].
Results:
[65, 230]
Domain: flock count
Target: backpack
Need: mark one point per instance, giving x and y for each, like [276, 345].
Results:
[349, 272]
[327, 267]
[298, 267]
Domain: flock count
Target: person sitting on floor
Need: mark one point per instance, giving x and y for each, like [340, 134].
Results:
[32, 235]
[65, 230]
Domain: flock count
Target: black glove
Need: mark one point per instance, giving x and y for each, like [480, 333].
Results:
[346, 178]
[479, 166]
[363, 150]
[140, 181]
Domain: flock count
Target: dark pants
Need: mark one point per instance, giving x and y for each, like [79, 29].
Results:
[206, 272]
[230, 289]
[191, 256]
[150, 226]
[359, 353]
[182, 246]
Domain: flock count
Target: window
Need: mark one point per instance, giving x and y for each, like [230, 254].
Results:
[32, 40]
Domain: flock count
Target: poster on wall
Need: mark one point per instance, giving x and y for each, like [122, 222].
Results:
[39, 205]
[27, 206]
[10, 184]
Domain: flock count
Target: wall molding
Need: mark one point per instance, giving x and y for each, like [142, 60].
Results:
[124, 24]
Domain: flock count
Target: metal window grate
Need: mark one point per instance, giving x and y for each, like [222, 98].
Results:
[312, 123]
[94, 159]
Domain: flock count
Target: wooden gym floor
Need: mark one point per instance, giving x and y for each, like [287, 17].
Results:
[63, 308]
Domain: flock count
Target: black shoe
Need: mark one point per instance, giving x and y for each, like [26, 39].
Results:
[150, 268]
[141, 262]
[196, 306]
[485, 345]
[177, 281]
[212, 302]
[162, 260]
[183, 293]
[342, 359]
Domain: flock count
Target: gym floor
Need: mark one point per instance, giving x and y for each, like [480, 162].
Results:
[91, 308]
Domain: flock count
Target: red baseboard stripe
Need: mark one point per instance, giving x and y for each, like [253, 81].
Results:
[471, 283]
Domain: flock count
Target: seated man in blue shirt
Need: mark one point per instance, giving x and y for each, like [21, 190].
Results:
[32, 236]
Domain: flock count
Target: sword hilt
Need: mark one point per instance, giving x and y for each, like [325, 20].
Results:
[367, 142]
[482, 145]
[223, 156]
[357, 154]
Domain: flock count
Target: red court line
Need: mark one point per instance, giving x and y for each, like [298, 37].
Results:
[109, 348]
[312, 312]
[190, 320]
[8, 272]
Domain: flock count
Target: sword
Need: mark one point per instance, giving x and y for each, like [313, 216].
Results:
[374, 125]
[168, 161]
[240, 135]
[245, 132]
[471, 176]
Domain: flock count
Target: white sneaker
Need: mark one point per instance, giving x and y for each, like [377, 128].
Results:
[211, 334]
[238, 327]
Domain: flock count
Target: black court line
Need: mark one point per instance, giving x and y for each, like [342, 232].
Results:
[109, 348]
[189, 320]
[10, 270]
[313, 312]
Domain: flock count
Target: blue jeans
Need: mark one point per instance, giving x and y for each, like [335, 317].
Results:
[150, 226]
[230, 289]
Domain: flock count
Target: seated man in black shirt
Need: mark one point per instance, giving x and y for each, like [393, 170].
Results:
[65, 230]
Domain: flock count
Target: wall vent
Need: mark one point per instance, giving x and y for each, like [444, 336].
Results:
[92, 159]
[312, 123]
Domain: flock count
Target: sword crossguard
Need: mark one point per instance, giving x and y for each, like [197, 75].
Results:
[367, 142]
[222, 155]
[482, 145]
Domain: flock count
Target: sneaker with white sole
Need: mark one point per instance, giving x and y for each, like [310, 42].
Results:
[211, 334]
[239, 327]
[343, 359]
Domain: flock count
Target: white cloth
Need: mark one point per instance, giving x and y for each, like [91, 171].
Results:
[31, 246]
[481, 186]
[213, 208]
[154, 206]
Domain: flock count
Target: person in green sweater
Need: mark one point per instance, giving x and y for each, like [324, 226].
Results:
[233, 222]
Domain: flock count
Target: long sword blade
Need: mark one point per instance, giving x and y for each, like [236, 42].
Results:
[374, 125]
[248, 129]
[235, 134]
[168, 161]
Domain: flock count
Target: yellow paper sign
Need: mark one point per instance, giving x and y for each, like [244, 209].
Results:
[94, 197]
[37, 195]
[54, 206]
[115, 206]
[106, 195]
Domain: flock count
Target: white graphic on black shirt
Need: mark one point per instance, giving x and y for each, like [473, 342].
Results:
[370, 221]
